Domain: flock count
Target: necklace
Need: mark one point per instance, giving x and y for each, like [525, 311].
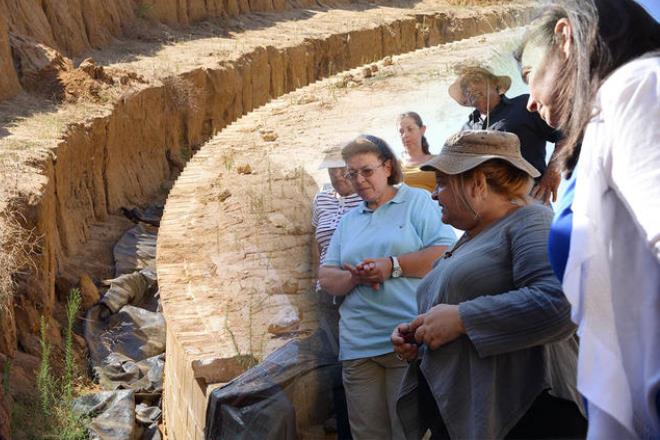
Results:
[461, 241]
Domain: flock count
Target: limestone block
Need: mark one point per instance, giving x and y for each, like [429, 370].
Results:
[214, 370]
[285, 316]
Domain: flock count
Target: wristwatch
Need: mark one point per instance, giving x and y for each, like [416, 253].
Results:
[396, 268]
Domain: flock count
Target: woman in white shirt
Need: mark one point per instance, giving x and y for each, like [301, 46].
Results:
[593, 67]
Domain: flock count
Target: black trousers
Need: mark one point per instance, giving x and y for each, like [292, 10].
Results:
[549, 417]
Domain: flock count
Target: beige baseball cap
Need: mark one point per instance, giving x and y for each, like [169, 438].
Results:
[332, 159]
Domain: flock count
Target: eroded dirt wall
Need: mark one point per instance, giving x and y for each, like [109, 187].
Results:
[73, 27]
[132, 151]
[9, 85]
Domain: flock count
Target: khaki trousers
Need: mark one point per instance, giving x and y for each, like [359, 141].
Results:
[372, 388]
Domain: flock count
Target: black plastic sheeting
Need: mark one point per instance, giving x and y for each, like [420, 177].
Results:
[144, 377]
[151, 215]
[125, 333]
[290, 390]
[115, 416]
[112, 414]
[133, 332]
[136, 250]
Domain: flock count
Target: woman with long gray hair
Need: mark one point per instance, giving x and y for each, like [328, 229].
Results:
[593, 67]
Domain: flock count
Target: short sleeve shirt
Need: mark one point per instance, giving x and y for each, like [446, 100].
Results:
[511, 115]
[328, 208]
[407, 223]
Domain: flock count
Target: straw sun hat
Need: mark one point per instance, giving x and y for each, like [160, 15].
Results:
[467, 149]
[477, 74]
[332, 159]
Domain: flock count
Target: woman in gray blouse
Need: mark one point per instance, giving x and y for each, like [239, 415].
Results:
[492, 352]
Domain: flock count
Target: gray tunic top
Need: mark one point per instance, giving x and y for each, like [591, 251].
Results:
[519, 338]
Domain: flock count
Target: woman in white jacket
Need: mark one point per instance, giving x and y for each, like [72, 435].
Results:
[593, 67]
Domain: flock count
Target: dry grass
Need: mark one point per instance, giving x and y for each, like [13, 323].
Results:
[182, 92]
[18, 246]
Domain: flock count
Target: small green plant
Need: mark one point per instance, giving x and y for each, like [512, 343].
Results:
[56, 396]
[185, 153]
[142, 9]
[270, 175]
[246, 361]
[45, 384]
[72, 308]
[257, 203]
[228, 159]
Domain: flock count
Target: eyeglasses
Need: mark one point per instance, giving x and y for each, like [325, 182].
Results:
[364, 172]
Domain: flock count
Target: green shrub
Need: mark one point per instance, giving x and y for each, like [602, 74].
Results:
[54, 404]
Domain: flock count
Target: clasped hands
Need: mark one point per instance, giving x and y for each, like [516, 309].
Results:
[440, 325]
[371, 271]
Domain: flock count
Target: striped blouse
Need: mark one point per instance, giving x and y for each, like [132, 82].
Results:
[328, 208]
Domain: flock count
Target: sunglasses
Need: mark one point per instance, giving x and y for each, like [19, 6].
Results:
[364, 172]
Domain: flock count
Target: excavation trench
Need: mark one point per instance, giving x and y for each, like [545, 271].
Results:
[134, 149]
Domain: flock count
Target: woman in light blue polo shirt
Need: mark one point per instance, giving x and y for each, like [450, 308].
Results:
[376, 259]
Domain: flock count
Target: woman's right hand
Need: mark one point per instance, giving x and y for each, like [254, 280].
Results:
[403, 346]
[360, 276]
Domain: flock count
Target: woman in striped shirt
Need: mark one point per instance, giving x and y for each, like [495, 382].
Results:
[332, 202]
[329, 206]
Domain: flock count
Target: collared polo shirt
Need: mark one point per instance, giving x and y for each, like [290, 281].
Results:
[409, 222]
[511, 115]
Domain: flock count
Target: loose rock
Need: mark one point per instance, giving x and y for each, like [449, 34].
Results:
[89, 293]
[244, 169]
[269, 135]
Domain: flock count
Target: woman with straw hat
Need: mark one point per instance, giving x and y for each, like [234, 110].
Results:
[492, 352]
